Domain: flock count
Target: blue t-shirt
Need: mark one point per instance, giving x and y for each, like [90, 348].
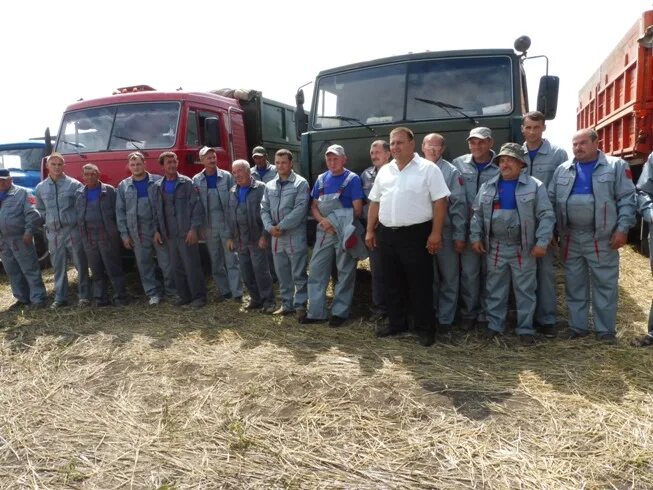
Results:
[141, 187]
[169, 186]
[93, 195]
[211, 181]
[331, 184]
[533, 153]
[480, 166]
[507, 199]
[262, 171]
[583, 182]
[242, 194]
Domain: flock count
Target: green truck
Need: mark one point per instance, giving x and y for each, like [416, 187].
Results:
[448, 92]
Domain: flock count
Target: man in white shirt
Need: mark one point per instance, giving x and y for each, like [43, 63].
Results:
[408, 204]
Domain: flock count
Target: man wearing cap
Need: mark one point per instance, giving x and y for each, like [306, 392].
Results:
[512, 224]
[645, 208]
[18, 222]
[542, 158]
[284, 209]
[249, 237]
[476, 167]
[408, 202]
[380, 155]
[214, 184]
[180, 216]
[446, 263]
[137, 225]
[594, 198]
[95, 204]
[335, 189]
[55, 201]
[263, 171]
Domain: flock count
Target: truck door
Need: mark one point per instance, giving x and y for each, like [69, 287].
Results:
[207, 128]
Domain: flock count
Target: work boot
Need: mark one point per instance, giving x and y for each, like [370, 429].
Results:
[571, 334]
[489, 334]
[467, 324]
[254, 305]
[548, 331]
[645, 341]
[527, 339]
[282, 311]
[607, 338]
[336, 321]
[426, 336]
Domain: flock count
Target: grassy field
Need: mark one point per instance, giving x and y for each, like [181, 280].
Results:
[222, 398]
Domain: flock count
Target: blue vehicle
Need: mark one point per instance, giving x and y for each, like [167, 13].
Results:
[23, 160]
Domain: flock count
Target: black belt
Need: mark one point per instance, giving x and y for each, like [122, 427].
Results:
[407, 227]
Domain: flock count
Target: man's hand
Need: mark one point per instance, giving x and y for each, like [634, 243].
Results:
[459, 246]
[27, 238]
[230, 244]
[479, 248]
[262, 243]
[434, 243]
[157, 238]
[275, 231]
[326, 225]
[618, 240]
[538, 252]
[128, 243]
[191, 237]
[370, 239]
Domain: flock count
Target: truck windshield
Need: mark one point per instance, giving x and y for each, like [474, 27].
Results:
[21, 158]
[119, 127]
[446, 88]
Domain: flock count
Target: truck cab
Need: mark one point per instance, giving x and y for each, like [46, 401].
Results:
[105, 131]
[448, 92]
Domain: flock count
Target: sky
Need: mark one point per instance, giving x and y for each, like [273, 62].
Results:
[55, 53]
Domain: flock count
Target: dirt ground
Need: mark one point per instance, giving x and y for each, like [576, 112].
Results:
[142, 397]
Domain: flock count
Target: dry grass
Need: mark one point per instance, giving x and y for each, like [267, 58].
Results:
[165, 398]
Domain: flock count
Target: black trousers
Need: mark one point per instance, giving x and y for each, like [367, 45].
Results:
[408, 274]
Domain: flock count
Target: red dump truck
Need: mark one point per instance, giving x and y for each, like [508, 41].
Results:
[617, 101]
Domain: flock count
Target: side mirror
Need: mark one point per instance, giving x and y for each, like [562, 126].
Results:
[211, 132]
[301, 118]
[48, 142]
[547, 96]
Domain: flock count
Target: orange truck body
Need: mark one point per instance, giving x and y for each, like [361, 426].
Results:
[617, 100]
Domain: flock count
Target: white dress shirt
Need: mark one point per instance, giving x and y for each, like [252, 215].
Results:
[406, 196]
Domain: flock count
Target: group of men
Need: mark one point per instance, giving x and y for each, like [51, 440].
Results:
[446, 240]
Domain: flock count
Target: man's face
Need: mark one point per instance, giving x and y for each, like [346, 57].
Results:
[90, 178]
[170, 167]
[532, 130]
[284, 165]
[5, 184]
[480, 148]
[335, 163]
[259, 160]
[136, 167]
[432, 149]
[209, 160]
[401, 147]
[585, 150]
[509, 167]
[55, 167]
[241, 176]
[379, 156]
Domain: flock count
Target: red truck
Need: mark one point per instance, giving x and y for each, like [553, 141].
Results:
[617, 101]
[104, 131]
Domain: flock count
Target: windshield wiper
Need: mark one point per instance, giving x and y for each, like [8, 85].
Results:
[77, 146]
[129, 140]
[351, 119]
[446, 107]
